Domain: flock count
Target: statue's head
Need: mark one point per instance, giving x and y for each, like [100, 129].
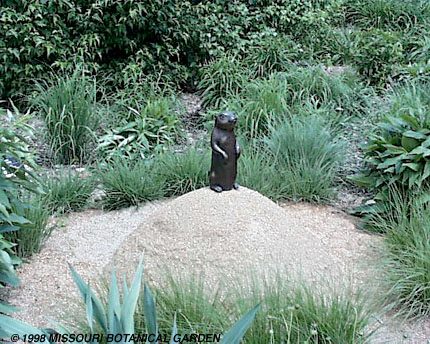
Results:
[226, 120]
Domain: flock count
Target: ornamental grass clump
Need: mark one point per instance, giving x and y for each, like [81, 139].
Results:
[68, 106]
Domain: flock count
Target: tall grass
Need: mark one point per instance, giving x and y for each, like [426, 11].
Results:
[388, 14]
[307, 157]
[183, 172]
[29, 239]
[266, 101]
[405, 266]
[220, 78]
[291, 311]
[67, 104]
[67, 192]
[127, 183]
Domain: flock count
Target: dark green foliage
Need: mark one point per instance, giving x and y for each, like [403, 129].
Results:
[399, 152]
[133, 37]
[126, 183]
[183, 172]
[150, 124]
[68, 107]
[67, 192]
[17, 178]
[375, 52]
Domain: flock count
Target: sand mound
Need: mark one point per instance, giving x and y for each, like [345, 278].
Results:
[225, 234]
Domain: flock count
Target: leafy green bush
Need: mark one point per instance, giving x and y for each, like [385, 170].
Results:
[150, 125]
[16, 175]
[127, 183]
[399, 152]
[129, 37]
[68, 107]
[307, 157]
[67, 192]
[374, 53]
[183, 172]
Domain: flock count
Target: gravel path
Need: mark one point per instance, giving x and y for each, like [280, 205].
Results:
[207, 231]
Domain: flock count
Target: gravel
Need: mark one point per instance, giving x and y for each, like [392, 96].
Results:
[220, 235]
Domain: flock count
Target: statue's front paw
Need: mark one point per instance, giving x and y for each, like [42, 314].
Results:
[236, 186]
[216, 188]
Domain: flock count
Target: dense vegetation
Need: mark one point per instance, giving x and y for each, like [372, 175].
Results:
[330, 95]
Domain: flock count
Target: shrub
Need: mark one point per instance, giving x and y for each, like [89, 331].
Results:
[183, 172]
[67, 192]
[29, 239]
[406, 260]
[68, 107]
[374, 52]
[127, 183]
[307, 158]
[398, 153]
[150, 125]
[16, 175]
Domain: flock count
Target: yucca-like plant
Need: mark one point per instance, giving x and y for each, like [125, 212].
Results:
[117, 317]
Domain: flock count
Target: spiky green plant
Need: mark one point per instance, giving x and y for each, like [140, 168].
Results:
[117, 317]
[68, 106]
[183, 172]
[307, 157]
[67, 192]
[127, 183]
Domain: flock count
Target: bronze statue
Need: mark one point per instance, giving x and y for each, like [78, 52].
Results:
[225, 152]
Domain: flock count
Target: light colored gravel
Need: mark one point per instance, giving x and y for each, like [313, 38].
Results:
[219, 234]
[87, 241]
[226, 235]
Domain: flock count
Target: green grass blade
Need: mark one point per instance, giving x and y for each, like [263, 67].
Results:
[236, 333]
[99, 311]
[150, 312]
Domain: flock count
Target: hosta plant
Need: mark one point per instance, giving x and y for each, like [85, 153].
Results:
[117, 317]
[398, 154]
[154, 123]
